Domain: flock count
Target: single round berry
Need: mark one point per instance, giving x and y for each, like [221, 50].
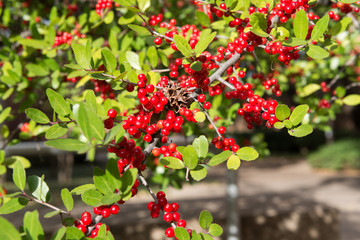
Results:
[112, 113]
[114, 209]
[106, 212]
[158, 41]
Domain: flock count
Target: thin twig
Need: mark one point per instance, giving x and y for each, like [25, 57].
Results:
[226, 83]
[224, 66]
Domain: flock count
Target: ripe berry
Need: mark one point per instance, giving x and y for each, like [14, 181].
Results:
[160, 194]
[222, 130]
[158, 41]
[181, 223]
[169, 232]
[168, 217]
[112, 113]
[114, 209]
[106, 212]
[82, 228]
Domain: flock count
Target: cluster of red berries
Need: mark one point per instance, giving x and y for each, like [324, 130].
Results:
[251, 111]
[324, 87]
[67, 38]
[225, 143]
[73, 79]
[269, 82]
[323, 103]
[167, 151]
[63, 37]
[344, 8]
[105, 211]
[286, 8]
[286, 54]
[104, 88]
[171, 214]
[101, 5]
[155, 19]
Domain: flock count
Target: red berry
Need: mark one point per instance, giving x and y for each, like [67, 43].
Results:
[106, 212]
[112, 113]
[158, 41]
[114, 209]
[82, 228]
[160, 194]
[169, 232]
[168, 217]
[181, 223]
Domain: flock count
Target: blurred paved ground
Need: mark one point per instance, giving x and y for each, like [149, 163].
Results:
[336, 190]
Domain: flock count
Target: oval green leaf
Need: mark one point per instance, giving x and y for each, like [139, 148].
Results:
[352, 100]
[282, 112]
[247, 154]
[219, 158]
[8, 231]
[298, 114]
[172, 162]
[67, 199]
[205, 219]
[37, 116]
[233, 163]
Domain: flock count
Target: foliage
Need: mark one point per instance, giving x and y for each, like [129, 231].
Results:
[122, 76]
[331, 156]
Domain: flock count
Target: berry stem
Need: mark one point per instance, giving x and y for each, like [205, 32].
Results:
[152, 31]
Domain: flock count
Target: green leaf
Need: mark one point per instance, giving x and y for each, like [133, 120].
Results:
[19, 175]
[8, 231]
[280, 33]
[73, 66]
[144, 4]
[13, 205]
[258, 20]
[83, 188]
[196, 66]
[172, 162]
[38, 188]
[301, 25]
[205, 219]
[4, 114]
[109, 18]
[128, 180]
[309, 89]
[36, 70]
[282, 112]
[320, 27]
[67, 199]
[37, 116]
[340, 26]
[204, 41]
[133, 59]
[109, 60]
[182, 45]
[279, 125]
[73, 233]
[215, 230]
[203, 18]
[10, 161]
[92, 197]
[200, 116]
[116, 131]
[112, 173]
[56, 131]
[101, 182]
[195, 236]
[68, 144]
[32, 226]
[340, 91]
[233, 163]
[298, 114]
[257, 31]
[198, 173]
[58, 103]
[139, 30]
[81, 55]
[91, 129]
[189, 157]
[52, 214]
[292, 42]
[316, 52]
[301, 131]
[60, 234]
[352, 99]
[247, 154]
[348, 1]
[201, 146]
[288, 124]
[219, 158]
[181, 233]
[110, 199]
[152, 56]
